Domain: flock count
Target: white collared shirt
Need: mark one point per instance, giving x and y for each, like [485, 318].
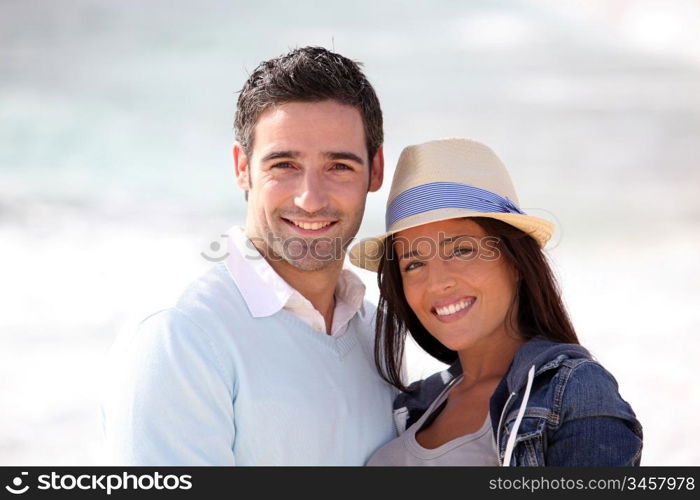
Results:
[265, 292]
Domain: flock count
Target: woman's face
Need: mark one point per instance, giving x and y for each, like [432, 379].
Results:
[456, 280]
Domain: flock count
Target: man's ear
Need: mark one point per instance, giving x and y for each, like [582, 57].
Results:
[377, 175]
[241, 166]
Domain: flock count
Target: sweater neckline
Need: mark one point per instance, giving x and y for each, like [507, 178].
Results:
[340, 344]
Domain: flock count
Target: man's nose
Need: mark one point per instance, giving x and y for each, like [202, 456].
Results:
[313, 194]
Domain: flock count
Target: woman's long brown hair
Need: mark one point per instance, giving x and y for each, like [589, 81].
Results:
[540, 308]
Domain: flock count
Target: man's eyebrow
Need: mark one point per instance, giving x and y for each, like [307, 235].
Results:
[344, 155]
[276, 155]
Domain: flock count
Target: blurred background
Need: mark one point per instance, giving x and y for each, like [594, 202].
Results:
[116, 174]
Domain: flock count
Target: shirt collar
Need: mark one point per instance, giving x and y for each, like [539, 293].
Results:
[265, 292]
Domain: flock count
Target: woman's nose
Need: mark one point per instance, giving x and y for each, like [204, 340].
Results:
[439, 279]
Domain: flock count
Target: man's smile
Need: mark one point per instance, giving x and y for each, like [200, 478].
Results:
[310, 227]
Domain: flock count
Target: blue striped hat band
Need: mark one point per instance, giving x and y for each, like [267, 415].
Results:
[436, 195]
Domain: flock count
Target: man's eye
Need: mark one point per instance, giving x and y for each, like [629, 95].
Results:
[284, 164]
[341, 166]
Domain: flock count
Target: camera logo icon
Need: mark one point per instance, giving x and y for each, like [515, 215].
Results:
[218, 253]
[17, 483]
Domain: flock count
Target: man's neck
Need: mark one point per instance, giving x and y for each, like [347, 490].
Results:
[318, 287]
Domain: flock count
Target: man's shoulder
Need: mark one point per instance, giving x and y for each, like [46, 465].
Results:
[367, 311]
[211, 298]
[210, 289]
[202, 310]
[168, 330]
[365, 320]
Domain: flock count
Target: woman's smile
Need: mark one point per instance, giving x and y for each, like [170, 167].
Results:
[451, 310]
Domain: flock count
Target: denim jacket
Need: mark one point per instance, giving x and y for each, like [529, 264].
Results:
[572, 416]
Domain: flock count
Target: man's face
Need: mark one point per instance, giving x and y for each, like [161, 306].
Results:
[308, 178]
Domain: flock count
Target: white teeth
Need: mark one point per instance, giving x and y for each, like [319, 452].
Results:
[453, 308]
[315, 226]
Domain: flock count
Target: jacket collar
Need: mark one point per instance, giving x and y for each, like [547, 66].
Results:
[545, 354]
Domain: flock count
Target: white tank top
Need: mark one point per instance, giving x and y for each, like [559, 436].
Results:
[477, 448]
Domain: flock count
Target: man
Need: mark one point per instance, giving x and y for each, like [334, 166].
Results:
[267, 358]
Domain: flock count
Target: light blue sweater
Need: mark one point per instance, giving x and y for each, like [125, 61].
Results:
[204, 383]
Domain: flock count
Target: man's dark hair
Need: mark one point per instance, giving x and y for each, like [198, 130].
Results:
[308, 74]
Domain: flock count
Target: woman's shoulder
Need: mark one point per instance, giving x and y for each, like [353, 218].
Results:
[578, 388]
[587, 401]
[591, 390]
[569, 380]
[410, 405]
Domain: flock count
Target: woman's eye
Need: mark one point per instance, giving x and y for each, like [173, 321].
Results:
[463, 251]
[412, 265]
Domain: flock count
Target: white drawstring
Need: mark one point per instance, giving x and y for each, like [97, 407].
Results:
[514, 431]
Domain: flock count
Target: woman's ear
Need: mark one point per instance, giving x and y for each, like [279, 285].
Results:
[517, 275]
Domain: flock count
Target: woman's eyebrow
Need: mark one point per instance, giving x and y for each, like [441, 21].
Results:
[452, 239]
[412, 253]
[442, 242]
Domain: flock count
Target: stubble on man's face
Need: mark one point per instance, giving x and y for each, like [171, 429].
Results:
[311, 254]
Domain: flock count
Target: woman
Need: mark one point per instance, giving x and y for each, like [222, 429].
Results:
[461, 269]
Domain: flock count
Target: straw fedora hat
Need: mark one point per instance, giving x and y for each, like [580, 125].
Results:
[447, 179]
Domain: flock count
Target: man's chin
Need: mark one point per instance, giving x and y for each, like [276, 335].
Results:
[311, 265]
